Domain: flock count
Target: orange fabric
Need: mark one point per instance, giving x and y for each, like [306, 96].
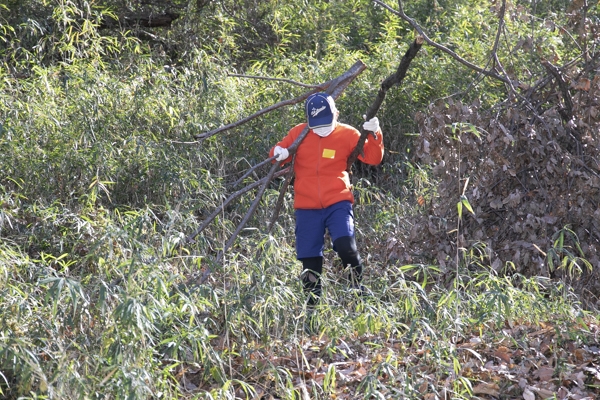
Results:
[320, 167]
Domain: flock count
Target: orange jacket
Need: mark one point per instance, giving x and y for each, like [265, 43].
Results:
[320, 166]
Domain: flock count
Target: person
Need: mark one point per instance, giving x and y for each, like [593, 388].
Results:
[323, 196]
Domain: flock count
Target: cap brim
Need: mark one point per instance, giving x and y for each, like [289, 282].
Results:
[320, 122]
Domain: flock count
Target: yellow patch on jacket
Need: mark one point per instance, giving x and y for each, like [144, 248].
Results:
[328, 153]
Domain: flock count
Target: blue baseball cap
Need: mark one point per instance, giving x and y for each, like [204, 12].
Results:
[320, 109]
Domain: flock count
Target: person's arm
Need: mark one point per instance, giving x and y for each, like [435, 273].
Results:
[286, 142]
[373, 148]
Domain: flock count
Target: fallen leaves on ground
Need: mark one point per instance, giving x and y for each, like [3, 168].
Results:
[517, 362]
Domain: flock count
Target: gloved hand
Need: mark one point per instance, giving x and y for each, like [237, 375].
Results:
[281, 152]
[371, 125]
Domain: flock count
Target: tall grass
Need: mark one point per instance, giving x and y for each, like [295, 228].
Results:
[105, 309]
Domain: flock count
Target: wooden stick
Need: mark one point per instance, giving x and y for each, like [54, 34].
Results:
[359, 65]
[394, 79]
[235, 195]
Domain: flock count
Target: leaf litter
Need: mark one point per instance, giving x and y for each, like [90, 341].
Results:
[521, 361]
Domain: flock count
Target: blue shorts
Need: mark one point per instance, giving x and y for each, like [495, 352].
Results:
[338, 219]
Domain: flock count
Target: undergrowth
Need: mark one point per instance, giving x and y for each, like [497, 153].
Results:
[99, 303]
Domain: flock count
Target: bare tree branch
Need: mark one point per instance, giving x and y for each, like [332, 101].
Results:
[512, 91]
[279, 204]
[258, 114]
[394, 79]
[500, 27]
[317, 88]
[438, 46]
[567, 112]
[217, 211]
[251, 210]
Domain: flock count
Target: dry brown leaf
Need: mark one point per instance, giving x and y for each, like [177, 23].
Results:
[583, 84]
[491, 389]
[544, 374]
[503, 353]
[580, 355]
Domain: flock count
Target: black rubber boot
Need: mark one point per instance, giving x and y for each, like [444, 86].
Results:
[346, 249]
[311, 284]
[345, 246]
[311, 279]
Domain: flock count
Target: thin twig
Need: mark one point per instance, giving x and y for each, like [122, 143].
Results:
[252, 169]
[438, 46]
[275, 79]
[233, 196]
[179, 142]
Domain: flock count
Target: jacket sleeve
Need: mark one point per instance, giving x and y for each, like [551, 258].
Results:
[373, 149]
[287, 141]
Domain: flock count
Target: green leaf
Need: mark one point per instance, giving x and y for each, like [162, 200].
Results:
[329, 380]
[465, 202]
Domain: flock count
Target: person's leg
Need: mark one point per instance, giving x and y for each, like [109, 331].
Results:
[346, 249]
[340, 222]
[312, 268]
[310, 232]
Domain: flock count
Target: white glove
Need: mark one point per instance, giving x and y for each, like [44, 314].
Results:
[281, 153]
[372, 125]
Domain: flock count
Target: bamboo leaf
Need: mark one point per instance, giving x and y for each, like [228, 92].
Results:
[465, 202]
